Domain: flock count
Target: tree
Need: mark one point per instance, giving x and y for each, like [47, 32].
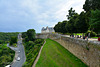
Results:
[60, 27]
[31, 34]
[81, 23]
[57, 27]
[13, 40]
[24, 34]
[70, 28]
[91, 5]
[71, 13]
[95, 21]
[63, 29]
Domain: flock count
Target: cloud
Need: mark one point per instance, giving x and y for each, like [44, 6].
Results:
[20, 15]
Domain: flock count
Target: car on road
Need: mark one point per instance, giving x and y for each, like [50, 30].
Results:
[19, 51]
[18, 58]
[8, 66]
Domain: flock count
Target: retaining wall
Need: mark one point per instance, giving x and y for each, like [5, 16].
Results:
[87, 51]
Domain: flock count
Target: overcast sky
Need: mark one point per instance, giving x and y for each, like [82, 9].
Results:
[21, 15]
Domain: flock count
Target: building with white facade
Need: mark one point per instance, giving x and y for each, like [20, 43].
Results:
[47, 30]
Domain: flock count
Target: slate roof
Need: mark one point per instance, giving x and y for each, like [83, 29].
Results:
[50, 28]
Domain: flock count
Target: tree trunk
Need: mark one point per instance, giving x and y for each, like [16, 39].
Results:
[82, 35]
[75, 35]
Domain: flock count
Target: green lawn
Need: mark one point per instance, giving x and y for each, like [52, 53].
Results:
[55, 55]
[78, 34]
[95, 37]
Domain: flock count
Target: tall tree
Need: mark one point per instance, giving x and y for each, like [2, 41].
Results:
[31, 34]
[72, 15]
[91, 5]
[24, 34]
[81, 23]
[63, 24]
[60, 27]
[95, 21]
[57, 27]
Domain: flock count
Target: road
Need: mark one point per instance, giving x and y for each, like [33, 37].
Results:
[20, 54]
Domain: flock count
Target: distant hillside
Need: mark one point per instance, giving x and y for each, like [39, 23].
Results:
[4, 37]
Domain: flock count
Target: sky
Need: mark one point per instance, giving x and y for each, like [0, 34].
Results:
[21, 15]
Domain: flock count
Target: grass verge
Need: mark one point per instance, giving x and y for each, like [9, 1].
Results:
[55, 55]
[95, 37]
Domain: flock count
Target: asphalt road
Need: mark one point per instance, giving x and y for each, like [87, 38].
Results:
[21, 54]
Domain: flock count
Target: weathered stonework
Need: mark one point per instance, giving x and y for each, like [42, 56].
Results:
[87, 51]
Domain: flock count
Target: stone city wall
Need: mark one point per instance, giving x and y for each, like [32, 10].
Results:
[87, 51]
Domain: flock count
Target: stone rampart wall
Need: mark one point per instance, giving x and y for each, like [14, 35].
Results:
[87, 51]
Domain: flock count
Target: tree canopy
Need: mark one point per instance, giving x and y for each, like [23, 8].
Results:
[95, 21]
[91, 5]
[76, 23]
[89, 19]
[29, 35]
[13, 40]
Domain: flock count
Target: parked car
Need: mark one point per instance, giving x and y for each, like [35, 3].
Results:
[19, 51]
[8, 66]
[18, 58]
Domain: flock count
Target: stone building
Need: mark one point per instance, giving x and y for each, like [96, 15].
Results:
[47, 30]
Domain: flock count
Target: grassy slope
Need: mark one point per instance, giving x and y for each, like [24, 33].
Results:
[54, 55]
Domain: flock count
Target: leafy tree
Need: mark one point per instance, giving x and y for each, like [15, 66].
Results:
[7, 36]
[60, 27]
[57, 27]
[91, 5]
[24, 34]
[26, 39]
[95, 21]
[13, 40]
[70, 27]
[63, 24]
[71, 13]
[31, 34]
[81, 23]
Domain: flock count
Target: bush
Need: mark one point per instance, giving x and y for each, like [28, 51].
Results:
[32, 51]
[6, 55]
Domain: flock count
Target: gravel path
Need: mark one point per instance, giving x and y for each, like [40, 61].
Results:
[38, 55]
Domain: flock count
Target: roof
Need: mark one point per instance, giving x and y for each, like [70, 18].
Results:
[50, 28]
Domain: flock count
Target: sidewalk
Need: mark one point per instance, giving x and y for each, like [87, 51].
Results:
[89, 39]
